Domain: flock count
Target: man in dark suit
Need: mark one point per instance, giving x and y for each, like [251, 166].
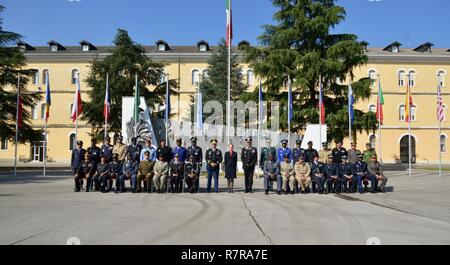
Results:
[77, 157]
[230, 167]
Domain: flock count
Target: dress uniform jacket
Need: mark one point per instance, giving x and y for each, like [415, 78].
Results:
[166, 152]
[302, 170]
[353, 155]
[346, 169]
[337, 154]
[116, 168]
[191, 168]
[213, 156]
[197, 152]
[86, 169]
[177, 169]
[317, 168]
[161, 168]
[323, 156]
[181, 151]
[130, 167]
[134, 151]
[375, 168]
[77, 157]
[95, 152]
[265, 151]
[360, 168]
[282, 152]
[107, 151]
[332, 170]
[297, 153]
[272, 167]
[249, 157]
[367, 154]
[121, 150]
[151, 150]
[146, 167]
[310, 153]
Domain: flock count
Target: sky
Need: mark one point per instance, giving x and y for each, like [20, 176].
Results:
[185, 22]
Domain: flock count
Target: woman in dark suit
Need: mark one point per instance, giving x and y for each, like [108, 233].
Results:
[230, 167]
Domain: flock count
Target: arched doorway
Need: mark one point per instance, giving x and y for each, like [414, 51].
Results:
[404, 146]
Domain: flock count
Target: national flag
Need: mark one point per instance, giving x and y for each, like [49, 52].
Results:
[48, 98]
[167, 111]
[380, 103]
[351, 101]
[137, 102]
[409, 101]
[20, 112]
[290, 103]
[77, 107]
[321, 104]
[440, 106]
[229, 23]
[261, 107]
[199, 110]
[107, 103]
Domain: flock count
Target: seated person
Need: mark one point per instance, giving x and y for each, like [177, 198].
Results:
[176, 174]
[362, 174]
[332, 174]
[130, 169]
[318, 174]
[160, 171]
[101, 177]
[191, 171]
[272, 173]
[346, 172]
[115, 173]
[302, 174]
[85, 170]
[145, 173]
[287, 174]
[376, 171]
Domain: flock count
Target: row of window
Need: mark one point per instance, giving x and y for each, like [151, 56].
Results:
[195, 79]
[35, 111]
[403, 76]
[402, 112]
[37, 79]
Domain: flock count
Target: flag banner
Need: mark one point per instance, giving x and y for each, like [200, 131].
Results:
[261, 107]
[77, 107]
[20, 112]
[351, 101]
[290, 104]
[48, 98]
[107, 104]
[440, 106]
[321, 104]
[229, 23]
[199, 110]
[408, 102]
[167, 110]
[380, 103]
[137, 102]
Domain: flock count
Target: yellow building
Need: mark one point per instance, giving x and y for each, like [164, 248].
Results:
[188, 63]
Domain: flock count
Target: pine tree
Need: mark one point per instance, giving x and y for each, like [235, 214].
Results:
[301, 46]
[12, 65]
[127, 60]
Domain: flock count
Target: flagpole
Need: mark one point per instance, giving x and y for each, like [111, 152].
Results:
[167, 110]
[45, 147]
[76, 108]
[320, 111]
[259, 123]
[440, 125]
[379, 121]
[136, 107]
[229, 91]
[409, 126]
[349, 116]
[17, 126]
[106, 116]
[289, 111]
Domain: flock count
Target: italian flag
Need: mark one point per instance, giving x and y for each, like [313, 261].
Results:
[380, 103]
[229, 24]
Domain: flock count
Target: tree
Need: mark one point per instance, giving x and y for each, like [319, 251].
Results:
[301, 46]
[214, 86]
[12, 65]
[127, 60]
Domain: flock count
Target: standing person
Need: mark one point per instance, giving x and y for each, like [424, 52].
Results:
[361, 174]
[130, 170]
[298, 151]
[120, 148]
[368, 153]
[165, 151]
[134, 149]
[76, 158]
[231, 167]
[180, 150]
[150, 148]
[85, 170]
[311, 152]
[265, 151]
[197, 152]
[115, 172]
[287, 174]
[101, 177]
[318, 174]
[176, 174]
[346, 171]
[191, 171]
[333, 176]
[338, 152]
[94, 151]
[303, 173]
[325, 153]
[283, 150]
[145, 173]
[160, 173]
[353, 153]
[272, 173]
[249, 157]
[107, 149]
[376, 171]
[213, 160]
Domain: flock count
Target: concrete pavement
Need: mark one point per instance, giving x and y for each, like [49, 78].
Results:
[38, 210]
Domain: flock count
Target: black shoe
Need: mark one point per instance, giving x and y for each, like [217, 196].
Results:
[303, 192]
[76, 190]
[279, 192]
[266, 192]
[292, 192]
[286, 193]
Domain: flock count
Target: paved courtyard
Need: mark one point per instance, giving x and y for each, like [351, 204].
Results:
[38, 210]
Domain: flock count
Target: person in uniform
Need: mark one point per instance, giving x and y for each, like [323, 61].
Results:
[230, 158]
[77, 157]
[160, 173]
[94, 151]
[120, 148]
[180, 150]
[376, 171]
[115, 173]
[265, 151]
[325, 153]
[145, 173]
[298, 151]
[310, 152]
[197, 152]
[353, 153]
[287, 175]
[107, 149]
[130, 170]
[135, 150]
[101, 177]
[272, 173]
[333, 176]
[368, 153]
[249, 157]
[213, 160]
[283, 150]
[318, 174]
[150, 148]
[302, 173]
[362, 174]
[85, 170]
[346, 172]
[176, 174]
[338, 152]
[191, 171]
[165, 151]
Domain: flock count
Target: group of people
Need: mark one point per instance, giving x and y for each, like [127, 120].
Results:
[163, 169]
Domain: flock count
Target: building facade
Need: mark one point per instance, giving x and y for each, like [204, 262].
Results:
[187, 64]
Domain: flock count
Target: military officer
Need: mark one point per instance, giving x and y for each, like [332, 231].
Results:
[197, 152]
[191, 171]
[298, 151]
[333, 176]
[287, 174]
[311, 152]
[134, 149]
[368, 153]
[94, 151]
[338, 152]
[180, 150]
[120, 148]
[353, 153]
[107, 149]
[77, 157]
[272, 173]
[145, 173]
[362, 174]
[318, 174]
[160, 173]
[325, 153]
[85, 170]
[376, 171]
[176, 174]
[302, 174]
[150, 148]
[101, 177]
[249, 158]
[130, 170]
[283, 150]
[265, 151]
[213, 159]
[115, 173]
[346, 171]
[164, 150]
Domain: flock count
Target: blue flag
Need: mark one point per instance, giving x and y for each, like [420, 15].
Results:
[290, 103]
[351, 101]
[261, 107]
[167, 111]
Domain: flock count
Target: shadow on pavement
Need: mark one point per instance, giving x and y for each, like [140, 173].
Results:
[25, 177]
